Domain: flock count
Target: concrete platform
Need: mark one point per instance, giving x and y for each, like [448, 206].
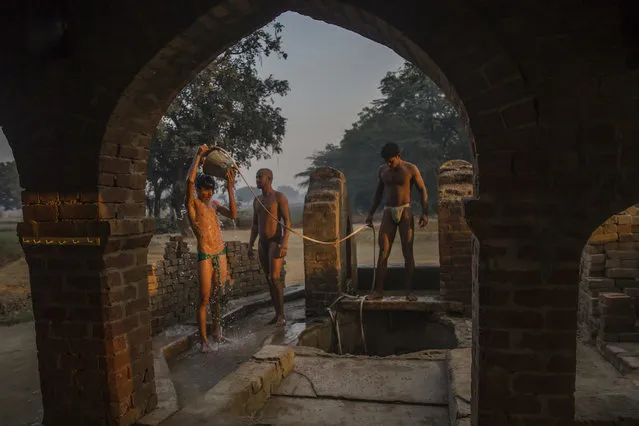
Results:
[426, 277]
[424, 303]
[327, 389]
[307, 386]
[368, 379]
[281, 410]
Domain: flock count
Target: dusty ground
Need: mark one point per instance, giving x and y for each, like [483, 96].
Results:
[426, 249]
[14, 277]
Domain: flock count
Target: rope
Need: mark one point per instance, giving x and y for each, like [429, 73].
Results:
[333, 243]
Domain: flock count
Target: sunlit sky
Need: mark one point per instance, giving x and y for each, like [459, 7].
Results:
[333, 73]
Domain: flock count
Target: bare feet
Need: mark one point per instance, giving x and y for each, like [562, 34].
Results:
[411, 298]
[221, 339]
[281, 322]
[375, 296]
[273, 321]
[206, 347]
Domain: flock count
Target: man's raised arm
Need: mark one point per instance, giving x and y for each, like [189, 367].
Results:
[190, 182]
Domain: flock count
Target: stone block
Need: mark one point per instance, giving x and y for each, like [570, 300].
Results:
[603, 238]
[622, 273]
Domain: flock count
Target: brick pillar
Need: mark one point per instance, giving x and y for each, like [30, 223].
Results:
[90, 304]
[524, 318]
[325, 219]
[455, 181]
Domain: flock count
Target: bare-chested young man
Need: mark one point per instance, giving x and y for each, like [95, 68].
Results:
[394, 181]
[211, 251]
[273, 238]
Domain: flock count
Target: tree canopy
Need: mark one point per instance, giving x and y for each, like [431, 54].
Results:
[413, 113]
[228, 104]
[244, 194]
[290, 192]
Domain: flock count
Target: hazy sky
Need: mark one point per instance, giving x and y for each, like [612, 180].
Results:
[333, 73]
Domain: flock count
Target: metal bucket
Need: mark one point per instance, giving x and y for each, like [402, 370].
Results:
[217, 164]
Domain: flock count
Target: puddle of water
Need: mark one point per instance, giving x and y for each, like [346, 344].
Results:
[194, 373]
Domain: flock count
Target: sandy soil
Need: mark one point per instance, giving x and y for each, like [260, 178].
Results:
[426, 249]
[14, 278]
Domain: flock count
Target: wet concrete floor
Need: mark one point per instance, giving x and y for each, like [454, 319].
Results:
[194, 373]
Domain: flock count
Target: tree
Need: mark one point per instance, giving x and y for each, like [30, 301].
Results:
[290, 192]
[244, 194]
[228, 104]
[412, 112]
[10, 190]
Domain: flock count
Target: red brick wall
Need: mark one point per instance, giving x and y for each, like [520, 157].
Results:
[328, 269]
[610, 266]
[174, 286]
[455, 254]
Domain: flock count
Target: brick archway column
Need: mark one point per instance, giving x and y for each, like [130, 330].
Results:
[90, 303]
[524, 317]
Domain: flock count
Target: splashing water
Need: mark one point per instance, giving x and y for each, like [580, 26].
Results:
[179, 330]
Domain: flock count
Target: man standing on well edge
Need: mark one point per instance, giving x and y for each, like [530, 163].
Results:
[395, 179]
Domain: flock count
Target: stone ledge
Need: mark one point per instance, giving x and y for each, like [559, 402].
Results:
[163, 351]
[394, 303]
[624, 356]
[459, 381]
[243, 392]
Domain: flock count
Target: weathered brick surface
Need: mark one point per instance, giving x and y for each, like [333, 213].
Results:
[90, 304]
[455, 253]
[551, 104]
[610, 264]
[328, 269]
[174, 287]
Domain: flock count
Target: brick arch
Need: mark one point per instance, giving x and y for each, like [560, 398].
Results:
[553, 119]
[610, 264]
[475, 64]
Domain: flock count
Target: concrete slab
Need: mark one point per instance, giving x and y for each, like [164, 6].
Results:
[394, 303]
[240, 394]
[459, 379]
[194, 373]
[281, 410]
[396, 380]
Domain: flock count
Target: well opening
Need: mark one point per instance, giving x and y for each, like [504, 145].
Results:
[386, 333]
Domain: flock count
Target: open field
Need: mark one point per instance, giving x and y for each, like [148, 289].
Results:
[426, 249]
[14, 274]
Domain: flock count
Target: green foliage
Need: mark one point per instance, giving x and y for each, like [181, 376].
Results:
[413, 113]
[290, 192]
[10, 197]
[244, 194]
[10, 248]
[226, 103]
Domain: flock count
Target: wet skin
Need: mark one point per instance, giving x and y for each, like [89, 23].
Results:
[202, 213]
